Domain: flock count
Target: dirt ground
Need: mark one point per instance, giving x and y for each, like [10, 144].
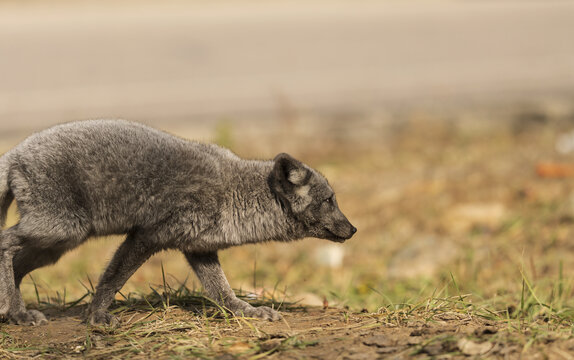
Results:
[304, 333]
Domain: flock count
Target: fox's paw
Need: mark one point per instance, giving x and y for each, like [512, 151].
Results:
[260, 312]
[263, 312]
[29, 317]
[101, 317]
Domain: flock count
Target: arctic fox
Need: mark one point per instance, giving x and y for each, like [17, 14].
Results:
[102, 177]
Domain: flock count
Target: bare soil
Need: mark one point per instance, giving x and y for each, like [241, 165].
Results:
[308, 332]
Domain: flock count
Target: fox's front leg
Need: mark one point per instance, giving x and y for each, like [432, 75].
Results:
[209, 272]
[131, 254]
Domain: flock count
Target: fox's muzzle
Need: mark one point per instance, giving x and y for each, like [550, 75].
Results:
[350, 232]
[342, 231]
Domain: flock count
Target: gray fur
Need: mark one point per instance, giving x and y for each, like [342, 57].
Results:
[104, 177]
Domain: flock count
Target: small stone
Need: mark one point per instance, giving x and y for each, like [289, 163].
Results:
[389, 350]
[270, 344]
[486, 330]
[452, 316]
[433, 349]
[419, 332]
[379, 341]
[414, 340]
[469, 347]
[509, 350]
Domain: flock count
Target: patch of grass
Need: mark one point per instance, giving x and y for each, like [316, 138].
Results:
[189, 325]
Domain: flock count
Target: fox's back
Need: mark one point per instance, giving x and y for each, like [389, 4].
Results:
[115, 172]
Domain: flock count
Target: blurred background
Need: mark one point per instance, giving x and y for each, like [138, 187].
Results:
[446, 128]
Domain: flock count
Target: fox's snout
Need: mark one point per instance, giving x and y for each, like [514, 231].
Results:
[342, 231]
[351, 231]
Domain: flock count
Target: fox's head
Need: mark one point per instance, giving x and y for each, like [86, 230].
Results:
[307, 195]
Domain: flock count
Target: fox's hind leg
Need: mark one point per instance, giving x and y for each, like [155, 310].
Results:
[24, 261]
[11, 304]
[7, 288]
[23, 249]
[30, 258]
[53, 219]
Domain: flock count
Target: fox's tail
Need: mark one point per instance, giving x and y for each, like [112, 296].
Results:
[6, 195]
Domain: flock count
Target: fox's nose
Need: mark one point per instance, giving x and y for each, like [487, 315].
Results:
[353, 230]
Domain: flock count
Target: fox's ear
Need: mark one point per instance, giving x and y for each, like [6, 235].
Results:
[289, 181]
[290, 170]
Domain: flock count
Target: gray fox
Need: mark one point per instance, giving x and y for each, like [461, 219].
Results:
[103, 177]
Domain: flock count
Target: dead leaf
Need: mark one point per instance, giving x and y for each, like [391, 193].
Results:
[239, 347]
[555, 170]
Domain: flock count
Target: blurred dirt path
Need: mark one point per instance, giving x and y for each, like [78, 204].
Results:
[179, 60]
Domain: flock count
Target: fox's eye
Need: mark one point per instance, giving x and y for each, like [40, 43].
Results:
[329, 201]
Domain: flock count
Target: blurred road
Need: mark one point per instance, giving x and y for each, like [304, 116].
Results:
[180, 60]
